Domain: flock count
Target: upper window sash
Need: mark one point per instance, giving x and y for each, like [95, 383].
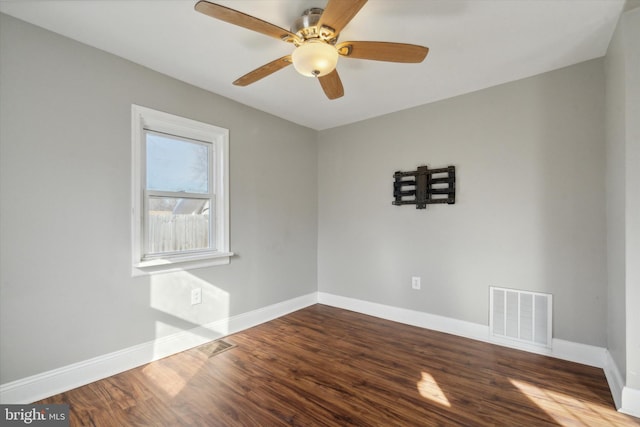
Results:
[169, 139]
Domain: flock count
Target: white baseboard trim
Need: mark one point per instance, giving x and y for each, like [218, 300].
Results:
[561, 349]
[615, 380]
[408, 317]
[630, 401]
[627, 399]
[585, 354]
[68, 377]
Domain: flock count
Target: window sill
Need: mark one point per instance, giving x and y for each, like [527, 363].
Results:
[180, 263]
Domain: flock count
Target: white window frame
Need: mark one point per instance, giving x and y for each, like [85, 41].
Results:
[146, 119]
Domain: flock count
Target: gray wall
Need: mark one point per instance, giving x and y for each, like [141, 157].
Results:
[615, 186]
[632, 28]
[66, 289]
[529, 212]
[623, 196]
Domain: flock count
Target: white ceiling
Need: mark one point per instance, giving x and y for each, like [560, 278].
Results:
[473, 44]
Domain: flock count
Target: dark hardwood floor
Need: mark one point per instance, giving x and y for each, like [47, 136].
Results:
[324, 366]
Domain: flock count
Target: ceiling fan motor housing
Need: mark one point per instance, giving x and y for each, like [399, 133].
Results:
[306, 27]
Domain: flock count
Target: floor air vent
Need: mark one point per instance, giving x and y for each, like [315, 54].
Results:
[215, 347]
[521, 316]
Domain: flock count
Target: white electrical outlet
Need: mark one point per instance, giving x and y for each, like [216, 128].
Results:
[196, 296]
[415, 283]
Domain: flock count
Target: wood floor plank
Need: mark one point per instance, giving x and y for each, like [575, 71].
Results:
[324, 366]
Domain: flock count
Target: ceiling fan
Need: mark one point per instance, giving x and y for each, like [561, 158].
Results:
[315, 37]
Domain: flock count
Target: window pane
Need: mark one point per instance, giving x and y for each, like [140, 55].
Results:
[175, 164]
[177, 224]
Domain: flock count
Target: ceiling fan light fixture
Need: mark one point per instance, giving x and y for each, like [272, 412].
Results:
[315, 58]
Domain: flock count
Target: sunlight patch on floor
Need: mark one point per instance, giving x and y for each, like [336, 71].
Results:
[429, 389]
[170, 381]
[562, 407]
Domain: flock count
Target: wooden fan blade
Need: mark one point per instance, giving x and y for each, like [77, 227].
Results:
[332, 85]
[264, 71]
[383, 51]
[338, 13]
[243, 20]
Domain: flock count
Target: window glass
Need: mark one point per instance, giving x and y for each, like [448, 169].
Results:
[176, 164]
[177, 224]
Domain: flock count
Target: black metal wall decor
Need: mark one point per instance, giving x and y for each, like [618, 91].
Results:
[425, 186]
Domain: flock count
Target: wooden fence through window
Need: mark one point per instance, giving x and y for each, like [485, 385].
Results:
[177, 232]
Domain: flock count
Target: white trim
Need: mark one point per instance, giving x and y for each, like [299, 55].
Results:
[144, 119]
[615, 380]
[177, 262]
[627, 399]
[58, 380]
[630, 401]
[561, 349]
[161, 266]
[585, 354]
[408, 317]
